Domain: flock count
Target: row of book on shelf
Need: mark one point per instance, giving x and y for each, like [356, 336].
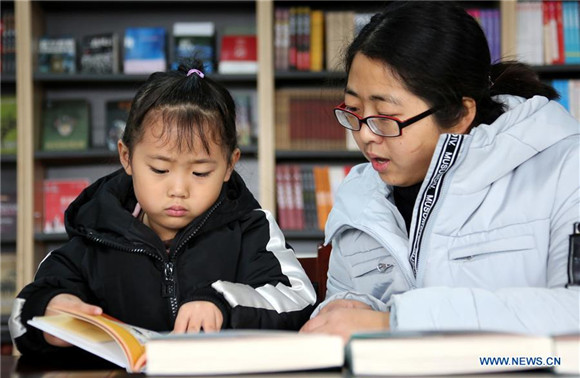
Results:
[542, 32]
[149, 49]
[538, 33]
[8, 43]
[305, 120]
[305, 194]
[66, 123]
[441, 353]
[308, 39]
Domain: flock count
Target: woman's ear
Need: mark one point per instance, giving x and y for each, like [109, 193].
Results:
[234, 158]
[124, 157]
[464, 124]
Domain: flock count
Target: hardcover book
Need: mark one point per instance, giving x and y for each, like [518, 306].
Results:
[238, 54]
[446, 353]
[57, 55]
[116, 118]
[7, 281]
[8, 125]
[194, 40]
[58, 195]
[144, 50]
[100, 53]
[8, 211]
[226, 352]
[66, 125]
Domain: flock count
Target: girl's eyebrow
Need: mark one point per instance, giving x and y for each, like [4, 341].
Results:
[192, 161]
[386, 98]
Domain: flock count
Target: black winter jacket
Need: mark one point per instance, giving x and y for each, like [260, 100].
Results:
[233, 255]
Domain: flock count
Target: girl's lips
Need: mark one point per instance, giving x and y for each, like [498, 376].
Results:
[176, 211]
[380, 165]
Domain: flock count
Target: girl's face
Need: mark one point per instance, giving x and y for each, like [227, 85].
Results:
[173, 187]
[373, 90]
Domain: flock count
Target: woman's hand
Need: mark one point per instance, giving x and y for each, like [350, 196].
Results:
[197, 315]
[72, 302]
[344, 319]
[344, 303]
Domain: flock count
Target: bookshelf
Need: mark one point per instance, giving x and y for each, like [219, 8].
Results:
[34, 19]
[78, 19]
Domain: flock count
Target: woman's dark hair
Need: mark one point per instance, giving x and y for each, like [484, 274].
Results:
[189, 107]
[441, 55]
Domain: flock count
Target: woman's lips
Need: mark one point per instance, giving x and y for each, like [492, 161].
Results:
[380, 165]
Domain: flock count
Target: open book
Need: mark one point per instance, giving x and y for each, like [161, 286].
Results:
[226, 352]
[102, 335]
[459, 352]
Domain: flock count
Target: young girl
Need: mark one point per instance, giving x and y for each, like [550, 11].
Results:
[462, 216]
[173, 241]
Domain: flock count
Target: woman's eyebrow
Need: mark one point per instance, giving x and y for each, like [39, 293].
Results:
[385, 98]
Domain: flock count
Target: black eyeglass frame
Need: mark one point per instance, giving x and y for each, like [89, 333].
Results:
[401, 124]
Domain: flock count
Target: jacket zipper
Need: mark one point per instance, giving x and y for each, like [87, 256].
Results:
[170, 284]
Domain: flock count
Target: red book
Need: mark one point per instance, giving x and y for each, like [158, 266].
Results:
[560, 32]
[58, 195]
[238, 54]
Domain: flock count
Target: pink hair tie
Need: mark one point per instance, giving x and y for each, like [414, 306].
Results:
[194, 71]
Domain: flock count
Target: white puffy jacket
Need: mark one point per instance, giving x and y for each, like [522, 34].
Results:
[488, 244]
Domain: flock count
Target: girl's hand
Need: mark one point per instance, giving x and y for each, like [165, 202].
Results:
[197, 315]
[346, 321]
[67, 301]
[344, 303]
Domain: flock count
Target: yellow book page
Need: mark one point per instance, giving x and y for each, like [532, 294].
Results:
[116, 330]
[83, 329]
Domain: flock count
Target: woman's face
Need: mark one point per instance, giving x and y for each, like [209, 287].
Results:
[373, 90]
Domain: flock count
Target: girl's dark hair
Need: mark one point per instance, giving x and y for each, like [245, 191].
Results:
[189, 107]
[441, 55]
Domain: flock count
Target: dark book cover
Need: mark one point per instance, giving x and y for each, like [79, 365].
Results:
[100, 53]
[57, 55]
[116, 118]
[194, 40]
[66, 125]
[8, 213]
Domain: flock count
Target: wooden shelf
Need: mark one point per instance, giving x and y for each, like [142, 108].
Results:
[320, 155]
[569, 70]
[8, 79]
[9, 158]
[304, 234]
[85, 78]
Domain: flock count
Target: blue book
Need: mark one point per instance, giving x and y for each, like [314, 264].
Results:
[144, 50]
[562, 86]
[571, 26]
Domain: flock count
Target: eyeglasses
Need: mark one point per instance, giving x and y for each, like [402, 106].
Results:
[379, 124]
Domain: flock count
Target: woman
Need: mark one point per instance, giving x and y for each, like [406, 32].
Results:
[462, 217]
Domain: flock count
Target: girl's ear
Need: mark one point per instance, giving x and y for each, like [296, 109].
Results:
[463, 126]
[124, 157]
[232, 164]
